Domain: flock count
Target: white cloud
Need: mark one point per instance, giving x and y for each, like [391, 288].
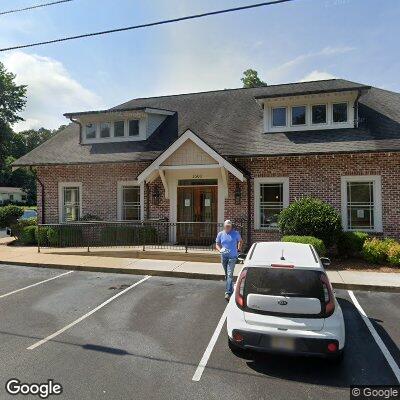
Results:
[317, 76]
[51, 90]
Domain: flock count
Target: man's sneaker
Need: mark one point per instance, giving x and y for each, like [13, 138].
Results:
[227, 296]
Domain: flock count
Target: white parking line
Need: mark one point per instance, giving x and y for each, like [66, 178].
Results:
[203, 362]
[35, 284]
[53, 335]
[393, 365]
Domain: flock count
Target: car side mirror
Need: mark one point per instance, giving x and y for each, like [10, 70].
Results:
[326, 262]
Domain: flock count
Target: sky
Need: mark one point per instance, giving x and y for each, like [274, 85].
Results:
[289, 42]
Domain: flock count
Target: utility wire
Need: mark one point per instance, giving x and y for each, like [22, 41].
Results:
[34, 6]
[163, 22]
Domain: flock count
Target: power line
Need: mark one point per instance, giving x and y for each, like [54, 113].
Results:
[163, 22]
[34, 6]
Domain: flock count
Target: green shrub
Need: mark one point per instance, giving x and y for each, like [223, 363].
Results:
[127, 235]
[311, 217]
[376, 251]
[41, 235]
[9, 215]
[27, 235]
[65, 236]
[17, 227]
[317, 243]
[350, 244]
[394, 254]
[90, 217]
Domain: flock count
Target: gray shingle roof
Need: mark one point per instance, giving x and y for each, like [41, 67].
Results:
[231, 121]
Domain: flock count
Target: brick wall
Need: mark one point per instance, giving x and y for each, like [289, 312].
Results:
[320, 176]
[99, 183]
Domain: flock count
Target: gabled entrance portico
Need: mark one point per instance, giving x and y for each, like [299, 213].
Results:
[195, 180]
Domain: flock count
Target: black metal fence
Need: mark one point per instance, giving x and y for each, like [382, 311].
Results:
[140, 234]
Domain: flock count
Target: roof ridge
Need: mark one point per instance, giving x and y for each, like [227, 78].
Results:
[234, 89]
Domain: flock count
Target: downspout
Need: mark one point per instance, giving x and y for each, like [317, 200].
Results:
[356, 108]
[42, 195]
[248, 177]
[80, 128]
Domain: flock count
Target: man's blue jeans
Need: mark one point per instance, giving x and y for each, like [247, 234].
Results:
[229, 266]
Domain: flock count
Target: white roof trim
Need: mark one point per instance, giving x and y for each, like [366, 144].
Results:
[189, 135]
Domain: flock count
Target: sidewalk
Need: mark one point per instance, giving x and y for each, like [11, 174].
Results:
[28, 256]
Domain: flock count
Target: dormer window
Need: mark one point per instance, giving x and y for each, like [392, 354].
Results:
[105, 130]
[279, 116]
[133, 127]
[299, 115]
[90, 131]
[119, 128]
[339, 111]
[318, 113]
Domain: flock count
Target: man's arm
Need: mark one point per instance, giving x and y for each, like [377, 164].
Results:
[218, 242]
[240, 242]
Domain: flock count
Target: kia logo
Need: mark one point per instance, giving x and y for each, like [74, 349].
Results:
[282, 302]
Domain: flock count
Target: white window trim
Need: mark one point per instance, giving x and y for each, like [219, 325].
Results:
[120, 185]
[112, 138]
[257, 183]
[348, 113]
[291, 115]
[61, 186]
[327, 119]
[377, 182]
[272, 117]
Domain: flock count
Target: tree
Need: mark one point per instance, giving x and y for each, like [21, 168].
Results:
[251, 80]
[12, 101]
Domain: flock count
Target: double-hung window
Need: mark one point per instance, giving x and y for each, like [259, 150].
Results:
[271, 197]
[129, 201]
[70, 202]
[361, 203]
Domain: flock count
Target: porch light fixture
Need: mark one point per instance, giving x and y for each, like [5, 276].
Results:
[156, 195]
[238, 194]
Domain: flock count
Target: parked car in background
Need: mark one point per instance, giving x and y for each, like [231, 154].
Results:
[284, 303]
[28, 214]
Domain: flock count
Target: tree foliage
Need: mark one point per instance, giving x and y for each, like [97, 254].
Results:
[251, 80]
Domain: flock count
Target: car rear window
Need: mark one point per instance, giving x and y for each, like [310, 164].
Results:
[284, 282]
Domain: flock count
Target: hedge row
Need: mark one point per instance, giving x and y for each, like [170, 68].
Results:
[317, 243]
[383, 251]
[73, 236]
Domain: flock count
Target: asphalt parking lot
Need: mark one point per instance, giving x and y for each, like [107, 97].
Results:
[127, 337]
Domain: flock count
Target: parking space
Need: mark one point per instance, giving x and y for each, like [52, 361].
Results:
[147, 342]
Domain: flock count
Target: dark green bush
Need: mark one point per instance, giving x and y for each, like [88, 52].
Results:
[376, 251]
[127, 235]
[311, 217]
[9, 215]
[90, 217]
[317, 243]
[41, 235]
[27, 235]
[17, 227]
[65, 236]
[350, 244]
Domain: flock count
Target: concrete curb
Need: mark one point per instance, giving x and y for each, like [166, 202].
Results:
[187, 275]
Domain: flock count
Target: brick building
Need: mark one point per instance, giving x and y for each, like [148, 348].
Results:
[242, 154]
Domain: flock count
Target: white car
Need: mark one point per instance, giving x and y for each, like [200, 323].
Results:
[284, 302]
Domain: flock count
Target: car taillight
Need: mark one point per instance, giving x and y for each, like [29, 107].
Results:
[239, 292]
[329, 299]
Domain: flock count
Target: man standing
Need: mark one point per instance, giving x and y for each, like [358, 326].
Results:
[228, 243]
